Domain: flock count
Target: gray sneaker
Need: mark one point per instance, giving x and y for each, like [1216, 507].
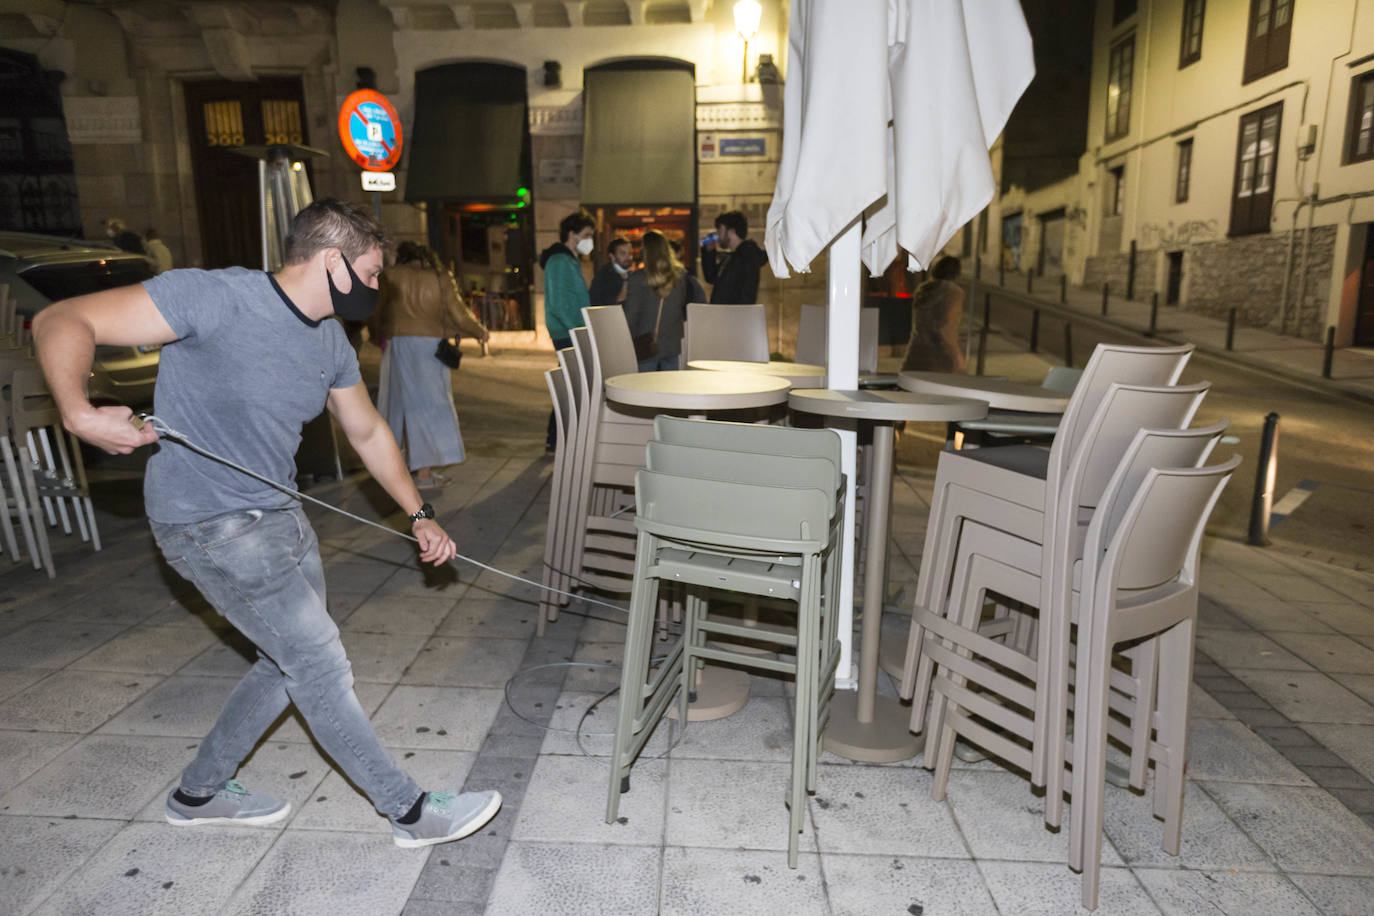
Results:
[447, 816]
[231, 805]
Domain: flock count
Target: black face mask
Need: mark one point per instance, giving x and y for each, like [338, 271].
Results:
[358, 303]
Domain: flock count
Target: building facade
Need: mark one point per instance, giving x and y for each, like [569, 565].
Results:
[1230, 161]
[157, 98]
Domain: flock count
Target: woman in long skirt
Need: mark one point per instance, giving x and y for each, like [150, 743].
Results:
[420, 306]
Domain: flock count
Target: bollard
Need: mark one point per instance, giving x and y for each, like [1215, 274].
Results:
[1068, 345]
[1035, 330]
[987, 309]
[1231, 330]
[1106, 289]
[1001, 275]
[1265, 474]
[1063, 289]
[1130, 274]
[1030, 278]
[1154, 314]
[1330, 352]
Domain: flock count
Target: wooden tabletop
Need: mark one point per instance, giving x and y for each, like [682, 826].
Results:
[894, 406]
[999, 393]
[690, 390]
[800, 375]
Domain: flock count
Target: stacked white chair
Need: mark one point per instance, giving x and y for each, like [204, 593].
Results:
[738, 332]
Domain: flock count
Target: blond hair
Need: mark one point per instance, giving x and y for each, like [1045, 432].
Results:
[662, 269]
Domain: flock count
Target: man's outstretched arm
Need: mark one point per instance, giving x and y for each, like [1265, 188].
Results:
[371, 438]
[65, 335]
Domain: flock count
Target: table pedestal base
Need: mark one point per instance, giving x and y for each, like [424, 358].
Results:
[884, 740]
[720, 692]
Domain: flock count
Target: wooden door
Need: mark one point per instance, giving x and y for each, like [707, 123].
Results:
[222, 116]
[1364, 314]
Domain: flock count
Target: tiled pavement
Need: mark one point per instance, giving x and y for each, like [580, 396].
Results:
[111, 675]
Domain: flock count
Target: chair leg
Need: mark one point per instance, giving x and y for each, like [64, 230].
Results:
[929, 586]
[1092, 732]
[1145, 672]
[1175, 678]
[634, 671]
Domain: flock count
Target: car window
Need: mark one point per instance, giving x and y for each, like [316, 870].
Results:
[62, 281]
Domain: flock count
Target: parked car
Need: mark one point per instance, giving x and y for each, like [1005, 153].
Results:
[41, 269]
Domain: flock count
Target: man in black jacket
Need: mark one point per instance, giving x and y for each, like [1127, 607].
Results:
[609, 284]
[731, 263]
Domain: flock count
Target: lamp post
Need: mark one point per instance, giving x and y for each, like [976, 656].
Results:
[747, 16]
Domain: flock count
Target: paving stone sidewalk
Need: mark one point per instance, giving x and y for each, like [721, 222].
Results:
[112, 674]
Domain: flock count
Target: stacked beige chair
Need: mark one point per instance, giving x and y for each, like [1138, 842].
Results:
[725, 332]
[54, 475]
[20, 501]
[983, 690]
[714, 518]
[1016, 489]
[1140, 580]
[565, 419]
[811, 337]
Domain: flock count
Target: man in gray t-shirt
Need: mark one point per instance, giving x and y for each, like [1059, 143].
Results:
[249, 358]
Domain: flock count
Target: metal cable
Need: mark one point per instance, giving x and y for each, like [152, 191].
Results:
[166, 432]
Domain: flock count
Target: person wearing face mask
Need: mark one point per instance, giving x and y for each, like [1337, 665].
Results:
[419, 306]
[248, 547]
[609, 286]
[731, 261]
[565, 292]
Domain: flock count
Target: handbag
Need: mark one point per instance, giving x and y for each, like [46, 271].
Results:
[446, 352]
[646, 345]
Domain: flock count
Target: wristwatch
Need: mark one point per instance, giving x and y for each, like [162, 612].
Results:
[425, 511]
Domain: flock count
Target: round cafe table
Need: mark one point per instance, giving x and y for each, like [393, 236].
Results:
[720, 691]
[863, 725]
[800, 375]
[1000, 393]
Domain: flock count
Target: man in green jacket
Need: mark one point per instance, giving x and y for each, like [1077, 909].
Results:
[565, 293]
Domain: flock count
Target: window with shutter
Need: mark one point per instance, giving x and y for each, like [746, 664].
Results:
[1190, 44]
[1270, 29]
[1256, 159]
[1120, 67]
[1361, 141]
[1185, 170]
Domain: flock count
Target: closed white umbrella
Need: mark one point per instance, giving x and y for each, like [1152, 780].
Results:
[890, 108]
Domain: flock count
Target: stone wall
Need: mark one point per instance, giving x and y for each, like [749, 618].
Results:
[1247, 274]
[1114, 269]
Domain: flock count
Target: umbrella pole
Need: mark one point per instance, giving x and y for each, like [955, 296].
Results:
[842, 373]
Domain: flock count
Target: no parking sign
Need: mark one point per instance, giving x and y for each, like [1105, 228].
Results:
[370, 130]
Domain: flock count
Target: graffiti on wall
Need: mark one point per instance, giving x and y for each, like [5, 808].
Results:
[1163, 235]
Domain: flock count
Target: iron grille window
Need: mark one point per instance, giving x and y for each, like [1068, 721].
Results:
[1266, 40]
[1256, 158]
[1190, 48]
[1361, 118]
[1120, 66]
[1185, 170]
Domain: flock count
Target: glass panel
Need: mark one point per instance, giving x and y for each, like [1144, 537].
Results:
[1283, 10]
[1262, 17]
[1268, 140]
[223, 123]
[281, 121]
[1249, 149]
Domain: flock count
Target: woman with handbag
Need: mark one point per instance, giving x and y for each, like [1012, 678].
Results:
[419, 314]
[656, 304]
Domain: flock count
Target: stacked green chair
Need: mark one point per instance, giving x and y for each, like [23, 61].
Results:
[741, 508]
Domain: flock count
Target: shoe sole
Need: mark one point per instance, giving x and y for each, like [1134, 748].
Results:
[256, 821]
[477, 823]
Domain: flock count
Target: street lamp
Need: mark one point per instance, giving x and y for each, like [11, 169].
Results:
[747, 16]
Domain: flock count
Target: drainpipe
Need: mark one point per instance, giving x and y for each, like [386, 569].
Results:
[1302, 269]
[1288, 269]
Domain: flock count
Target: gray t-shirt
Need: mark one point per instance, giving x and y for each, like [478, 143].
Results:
[247, 371]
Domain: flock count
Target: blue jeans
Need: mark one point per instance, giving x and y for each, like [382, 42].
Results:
[261, 569]
[659, 364]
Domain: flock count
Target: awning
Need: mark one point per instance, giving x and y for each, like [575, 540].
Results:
[469, 138]
[639, 137]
